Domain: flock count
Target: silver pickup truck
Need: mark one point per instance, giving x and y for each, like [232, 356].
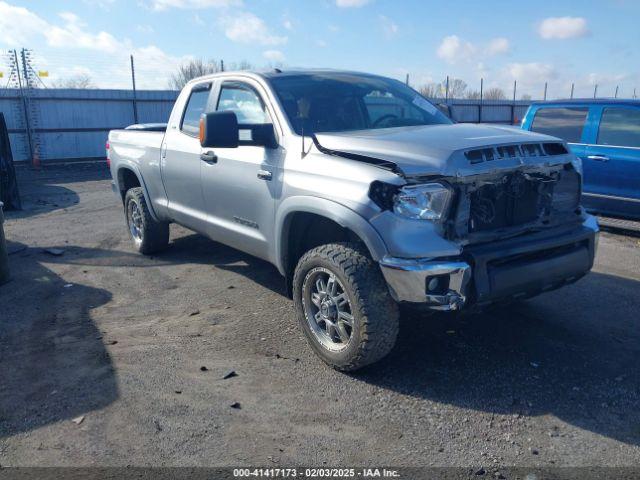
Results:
[362, 194]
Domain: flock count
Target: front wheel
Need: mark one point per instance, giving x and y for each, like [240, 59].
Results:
[148, 235]
[344, 307]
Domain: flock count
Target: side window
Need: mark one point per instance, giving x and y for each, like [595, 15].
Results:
[566, 123]
[620, 126]
[245, 102]
[196, 106]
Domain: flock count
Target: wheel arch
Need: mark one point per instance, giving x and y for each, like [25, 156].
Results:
[128, 176]
[336, 223]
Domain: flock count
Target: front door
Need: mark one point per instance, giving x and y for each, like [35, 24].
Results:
[241, 186]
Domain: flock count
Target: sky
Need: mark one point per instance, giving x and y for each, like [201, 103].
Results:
[560, 42]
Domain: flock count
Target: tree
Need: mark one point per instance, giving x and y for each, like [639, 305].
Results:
[80, 81]
[495, 93]
[190, 70]
[457, 87]
[431, 90]
[526, 97]
[473, 95]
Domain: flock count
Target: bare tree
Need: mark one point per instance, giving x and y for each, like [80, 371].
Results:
[457, 87]
[80, 81]
[242, 65]
[190, 70]
[431, 90]
[495, 93]
[526, 97]
[473, 95]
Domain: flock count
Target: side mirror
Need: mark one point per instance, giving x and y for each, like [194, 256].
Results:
[219, 129]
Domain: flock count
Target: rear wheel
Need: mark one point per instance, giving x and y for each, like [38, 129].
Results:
[148, 235]
[344, 306]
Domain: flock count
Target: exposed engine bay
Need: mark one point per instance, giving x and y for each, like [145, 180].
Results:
[500, 205]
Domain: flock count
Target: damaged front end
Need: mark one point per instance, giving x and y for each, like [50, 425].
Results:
[516, 216]
[496, 206]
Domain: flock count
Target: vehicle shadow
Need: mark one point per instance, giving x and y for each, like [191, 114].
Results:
[573, 353]
[54, 364]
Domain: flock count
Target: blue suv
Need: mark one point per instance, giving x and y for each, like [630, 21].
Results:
[605, 134]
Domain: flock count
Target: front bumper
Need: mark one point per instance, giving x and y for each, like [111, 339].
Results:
[519, 267]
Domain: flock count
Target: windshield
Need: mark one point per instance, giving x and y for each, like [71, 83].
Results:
[339, 102]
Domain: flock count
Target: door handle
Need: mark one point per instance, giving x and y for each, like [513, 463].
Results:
[265, 175]
[209, 157]
[598, 158]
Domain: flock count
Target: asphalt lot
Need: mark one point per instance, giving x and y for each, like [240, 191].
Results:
[117, 342]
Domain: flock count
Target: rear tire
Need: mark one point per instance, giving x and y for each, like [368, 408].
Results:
[148, 235]
[344, 307]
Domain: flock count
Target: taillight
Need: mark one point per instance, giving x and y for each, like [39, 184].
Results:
[107, 146]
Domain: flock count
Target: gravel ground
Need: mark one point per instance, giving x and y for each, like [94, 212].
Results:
[110, 358]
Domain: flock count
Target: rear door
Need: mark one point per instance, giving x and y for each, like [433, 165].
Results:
[180, 159]
[613, 160]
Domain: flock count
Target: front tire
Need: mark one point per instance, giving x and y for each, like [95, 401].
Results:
[148, 235]
[344, 307]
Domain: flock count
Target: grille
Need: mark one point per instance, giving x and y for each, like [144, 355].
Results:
[489, 154]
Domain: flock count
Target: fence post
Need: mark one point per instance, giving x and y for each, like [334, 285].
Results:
[446, 91]
[27, 123]
[407, 80]
[545, 90]
[595, 91]
[616, 95]
[480, 105]
[135, 100]
[513, 106]
[572, 87]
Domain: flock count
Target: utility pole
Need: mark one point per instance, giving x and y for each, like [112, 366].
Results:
[572, 87]
[135, 100]
[25, 107]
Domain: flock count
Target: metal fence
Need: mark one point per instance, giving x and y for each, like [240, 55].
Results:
[50, 125]
[72, 124]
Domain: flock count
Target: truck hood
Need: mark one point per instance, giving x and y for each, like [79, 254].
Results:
[430, 149]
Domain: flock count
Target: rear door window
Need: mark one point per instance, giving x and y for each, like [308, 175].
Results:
[565, 123]
[196, 106]
[620, 127]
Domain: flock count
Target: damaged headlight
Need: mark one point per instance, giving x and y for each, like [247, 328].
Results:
[429, 201]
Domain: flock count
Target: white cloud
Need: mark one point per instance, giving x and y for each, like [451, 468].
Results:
[389, 27]
[453, 49]
[245, 27]
[146, 29]
[73, 34]
[18, 25]
[321, 43]
[287, 24]
[274, 55]
[351, 3]
[160, 5]
[531, 74]
[563, 28]
[498, 46]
